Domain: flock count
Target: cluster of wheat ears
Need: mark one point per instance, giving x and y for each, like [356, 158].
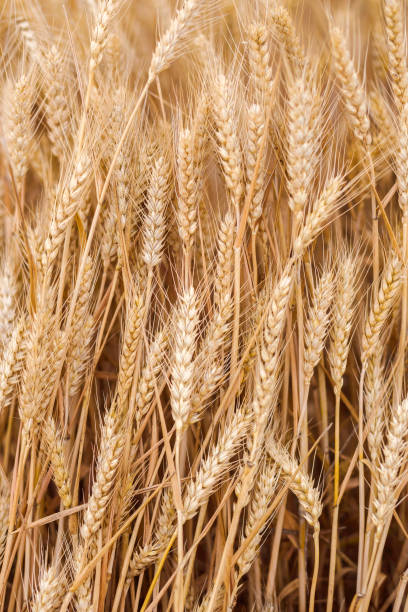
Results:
[203, 305]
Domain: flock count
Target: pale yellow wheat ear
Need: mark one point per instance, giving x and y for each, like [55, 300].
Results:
[259, 60]
[213, 467]
[354, 96]
[155, 218]
[56, 102]
[254, 170]
[393, 454]
[302, 144]
[50, 591]
[343, 310]
[111, 447]
[54, 443]
[265, 488]
[188, 19]
[149, 553]
[67, 204]
[284, 29]
[299, 483]
[322, 208]
[375, 402]
[396, 44]
[317, 323]
[18, 125]
[229, 147]
[185, 333]
[381, 307]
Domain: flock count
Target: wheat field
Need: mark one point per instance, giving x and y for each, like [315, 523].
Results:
[203, 305]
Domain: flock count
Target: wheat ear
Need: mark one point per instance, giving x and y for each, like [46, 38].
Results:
[381, 307]
[394, 23]
[317, 323]
[55, 445]
[50, 591]
[353, 93]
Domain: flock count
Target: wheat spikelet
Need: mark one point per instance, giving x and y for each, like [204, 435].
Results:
[183, 367]
[81, 332]
[188, 188]
[317, 323]
[299, 483]
[319, 214]
[9, 293]
[150, 553]
[104, 18]
[66, 207]
[50, 591]
[227, 138]
[19, 127]
[224, 265]
[109, 455]
[267, 364]
[401, 158]
[56, 106]
[285, 30]
[12, 363]
[37, 377]
[259, 59]
[214, 465]
[381, 308]
[352, 90]
[150, 373]
[129, 348]
[155, 219]
[30, 38]
[302, 145]
[394, 21]
[186, 19]
[393, 451]
[262, 494]
[343, 308]
[55, 444]
[374, 407]
[256, 129]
